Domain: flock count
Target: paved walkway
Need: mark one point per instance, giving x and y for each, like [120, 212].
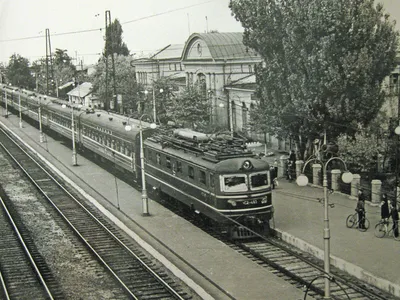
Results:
[211, 268]
[299, 219]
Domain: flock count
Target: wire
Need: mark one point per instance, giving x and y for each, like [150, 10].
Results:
[166, 12]
[102, 28]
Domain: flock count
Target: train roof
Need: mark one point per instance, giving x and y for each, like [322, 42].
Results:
[219, 154]
[113, 122]
[209, 149]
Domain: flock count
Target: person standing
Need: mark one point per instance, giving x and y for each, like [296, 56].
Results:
[361, 209]
[273, 176]
[276, 167]
[385, 214]
[395, 218]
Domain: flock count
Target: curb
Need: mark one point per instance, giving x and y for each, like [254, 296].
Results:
[339, 263]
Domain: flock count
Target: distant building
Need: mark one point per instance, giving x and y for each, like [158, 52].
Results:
[82, 94]
[165, 63]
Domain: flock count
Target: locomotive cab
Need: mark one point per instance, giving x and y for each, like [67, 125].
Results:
[244, 194]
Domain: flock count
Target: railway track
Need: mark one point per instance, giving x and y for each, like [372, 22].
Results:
[306, 271]
[24, 273]
[126, 264]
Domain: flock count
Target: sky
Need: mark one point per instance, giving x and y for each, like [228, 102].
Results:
[150, 24]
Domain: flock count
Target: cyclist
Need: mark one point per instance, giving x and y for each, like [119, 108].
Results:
[385, 214]
[361, 209]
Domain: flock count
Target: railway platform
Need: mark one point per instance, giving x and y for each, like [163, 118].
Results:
[211, 268]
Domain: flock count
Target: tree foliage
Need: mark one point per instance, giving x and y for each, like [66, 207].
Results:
[164, 94]
[189, 107]
[63, 71]
[125, 82]
[114, 43]
[18, 72]
[324, 63]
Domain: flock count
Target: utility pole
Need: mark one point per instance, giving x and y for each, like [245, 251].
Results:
[108, 22]
[111, 48]
[49, 61]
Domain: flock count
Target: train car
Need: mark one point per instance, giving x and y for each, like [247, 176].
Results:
[215, 176]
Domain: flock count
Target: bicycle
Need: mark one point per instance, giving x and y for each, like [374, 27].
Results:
[353, 220]
[382, 229]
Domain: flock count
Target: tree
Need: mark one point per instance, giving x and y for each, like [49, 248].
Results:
[163, 99]
[190, 107]
[18, 72]
[324, 63]
[3, 71]
[63, 71]
[125, 80]
[114, 42]
[61, 58]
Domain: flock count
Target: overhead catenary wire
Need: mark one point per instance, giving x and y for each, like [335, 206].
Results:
[102, 28]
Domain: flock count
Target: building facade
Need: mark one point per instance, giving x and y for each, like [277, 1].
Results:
[219, 64]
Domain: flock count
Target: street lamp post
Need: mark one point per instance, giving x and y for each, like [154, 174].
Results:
[154, 102]
[302, 180]
[145, 200]
[6, 115]
[41, 136]
[74, 154]
[20, 110]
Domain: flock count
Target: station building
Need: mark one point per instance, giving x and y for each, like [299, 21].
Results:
[220, 64]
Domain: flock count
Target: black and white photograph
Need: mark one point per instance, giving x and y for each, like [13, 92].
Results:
[199, 149]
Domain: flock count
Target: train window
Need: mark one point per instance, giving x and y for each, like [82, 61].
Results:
[212, 177]
[178, 167]
[191, 172]
[168, 162]
[202, 177]
[234, 183]
[158, 158]
[259, 181]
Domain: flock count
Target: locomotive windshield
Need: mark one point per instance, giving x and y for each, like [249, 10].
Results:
[235, 183]
[259, 181]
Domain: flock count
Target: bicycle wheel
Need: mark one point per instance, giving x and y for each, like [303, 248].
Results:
[365, 227]
[351, 221]
[380, 230]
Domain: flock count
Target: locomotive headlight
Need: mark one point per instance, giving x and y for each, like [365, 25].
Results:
[232, 202]
[247, 165]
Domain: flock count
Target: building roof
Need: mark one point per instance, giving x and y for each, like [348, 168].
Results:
[173, 51]
[81, 90]
[245, 83]
[223, 45]
[66, 85]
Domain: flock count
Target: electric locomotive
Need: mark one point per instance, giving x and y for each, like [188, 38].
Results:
[215, 176]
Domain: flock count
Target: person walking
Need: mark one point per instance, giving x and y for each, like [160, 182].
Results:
[385, 214]
[360, 208]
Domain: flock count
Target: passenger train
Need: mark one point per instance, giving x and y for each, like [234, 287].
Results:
[215, 176]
